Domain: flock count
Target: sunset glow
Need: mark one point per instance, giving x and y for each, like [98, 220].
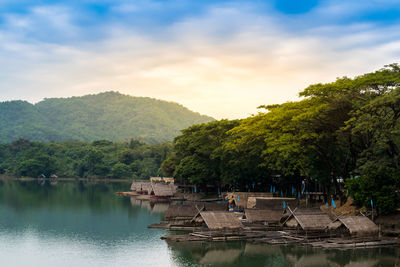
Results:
[220, 58]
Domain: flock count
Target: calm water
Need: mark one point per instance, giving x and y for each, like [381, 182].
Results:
[86, 224]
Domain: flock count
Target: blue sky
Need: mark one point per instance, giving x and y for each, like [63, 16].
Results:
[221, 58]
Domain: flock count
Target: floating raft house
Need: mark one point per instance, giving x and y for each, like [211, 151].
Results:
[263, 216]
[181, 212]
[308, 219]
[221, 220]
[355, 226]
[142, 187]
[163, 190]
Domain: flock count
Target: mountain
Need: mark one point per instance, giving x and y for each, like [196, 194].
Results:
[110, 115]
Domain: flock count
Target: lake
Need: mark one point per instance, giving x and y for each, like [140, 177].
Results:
[87, 224]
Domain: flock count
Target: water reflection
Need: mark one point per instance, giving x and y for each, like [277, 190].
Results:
[86, 224]
[252, 254]
[155, 207]
[76, 224]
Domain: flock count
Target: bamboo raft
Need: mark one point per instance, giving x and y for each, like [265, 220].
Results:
[313, 239]
[216, 236]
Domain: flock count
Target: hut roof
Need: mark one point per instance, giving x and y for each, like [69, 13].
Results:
[141, 186]
[310, 219]
[217, 220]
[134, 185]
[163, 190]
[359, 225]
[271, 216]
[182, 211]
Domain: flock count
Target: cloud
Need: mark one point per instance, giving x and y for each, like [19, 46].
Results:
[224, 61]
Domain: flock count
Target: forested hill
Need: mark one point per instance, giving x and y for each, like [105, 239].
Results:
[110, 115]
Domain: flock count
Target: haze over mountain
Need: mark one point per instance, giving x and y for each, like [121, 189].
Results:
[110, 115]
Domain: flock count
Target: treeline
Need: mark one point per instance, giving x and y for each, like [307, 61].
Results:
[101, 159]
[341, 135]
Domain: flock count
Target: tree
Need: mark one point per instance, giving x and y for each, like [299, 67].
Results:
[198, 152]
[121, 170]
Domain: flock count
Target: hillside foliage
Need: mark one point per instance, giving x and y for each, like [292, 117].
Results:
[111, 116]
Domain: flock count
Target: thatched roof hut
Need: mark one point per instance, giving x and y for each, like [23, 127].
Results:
[269, 216]
[181, 212]
[141, 187]
[163, 190]
[308, 219]
[220, 220]
[355, 225]
[135, 185]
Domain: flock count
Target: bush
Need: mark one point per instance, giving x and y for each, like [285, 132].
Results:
[381, 189]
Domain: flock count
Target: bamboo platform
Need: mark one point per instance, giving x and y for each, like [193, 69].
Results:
[218, 236]
[317, 240]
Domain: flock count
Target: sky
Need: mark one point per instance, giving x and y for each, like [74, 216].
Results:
[219, 58]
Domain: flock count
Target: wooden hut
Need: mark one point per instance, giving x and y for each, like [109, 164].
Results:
[263, 216]
[308, 219]
[221, 220]
[181, 212]
[141, 187]
[162, 191]
[135, 185]
[354, 226]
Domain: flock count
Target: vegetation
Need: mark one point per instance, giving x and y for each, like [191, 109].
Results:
[109, 115]
[344, 133]
[100, 159]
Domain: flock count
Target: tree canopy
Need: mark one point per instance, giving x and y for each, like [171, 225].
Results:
[344, 133]
[100, 159]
